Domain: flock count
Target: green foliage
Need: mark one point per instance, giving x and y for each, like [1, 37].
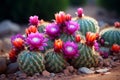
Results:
[88, 57]
[31, 62]
[54, 62]
[77, 2]
[112, 5]
[20, 10]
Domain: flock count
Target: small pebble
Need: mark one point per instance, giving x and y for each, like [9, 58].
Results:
[66, 72]
[52, 74]
[86, 70]
[102, 70]
[46, 73]
[70, 68]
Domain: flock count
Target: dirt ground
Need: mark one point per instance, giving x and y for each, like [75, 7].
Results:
[114, 74]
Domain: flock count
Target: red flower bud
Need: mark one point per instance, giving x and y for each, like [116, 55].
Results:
[77, 38]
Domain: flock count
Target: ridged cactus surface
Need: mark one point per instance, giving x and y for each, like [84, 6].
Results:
[31, 62]
[67, 37]
[111, 35]
[87, 24]
[87, 57]
[54, 61]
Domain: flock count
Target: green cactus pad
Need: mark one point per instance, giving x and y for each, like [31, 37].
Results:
[111, 35]
[87, 58]
[54, 62]
[87, 24]
[31, 62]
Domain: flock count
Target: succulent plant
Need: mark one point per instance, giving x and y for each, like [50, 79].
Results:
[104, 52]
[54, 59]
[31, 62]
[86, 23]
[88, 57]
[111, 35]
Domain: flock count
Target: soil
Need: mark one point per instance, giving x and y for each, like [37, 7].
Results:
[114, 74]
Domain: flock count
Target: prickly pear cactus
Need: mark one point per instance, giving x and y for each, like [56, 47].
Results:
[54, 62]
[31, 62]
[87, 57]
[111, 35]
[87, 24]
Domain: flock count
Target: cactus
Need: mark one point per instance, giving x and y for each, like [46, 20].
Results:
[42, 25]
[111, 35]
[31, 62]
[66, 37]
[54, 61]
[87, 57]
[86, 23]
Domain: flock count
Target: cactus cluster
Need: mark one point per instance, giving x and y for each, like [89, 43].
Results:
[65, 41]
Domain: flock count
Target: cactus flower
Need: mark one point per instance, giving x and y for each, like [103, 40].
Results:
[77, 38]
[13, 55]
[71, 27]
[31, 29]
[115, 48]
[70, 49]
[117, 24]
[52, 30]
[96, 46]
[60, 17]
[58, 44]
[80, 12]
[36, 41]
[68, 17]
[18, 41]
[33, 20]
[90, 38]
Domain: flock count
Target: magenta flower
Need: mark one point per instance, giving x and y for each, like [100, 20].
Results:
[36, 41]
[52, 30]
[96, 45]
[33, 20]
[71, 27]
[80, 12]
[70, 49]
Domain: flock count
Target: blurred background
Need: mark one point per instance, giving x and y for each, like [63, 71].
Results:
[14, 14]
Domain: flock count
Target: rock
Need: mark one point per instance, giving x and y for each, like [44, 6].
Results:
[8, 27]
[92, 68]
[3, 64]
[46, 73]
[66, 72]
[22, 75]
[52, 74]
[70, 68]
[102, 70]
[86, 70]
[12, 68]
[3, 76]
[18, 72]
